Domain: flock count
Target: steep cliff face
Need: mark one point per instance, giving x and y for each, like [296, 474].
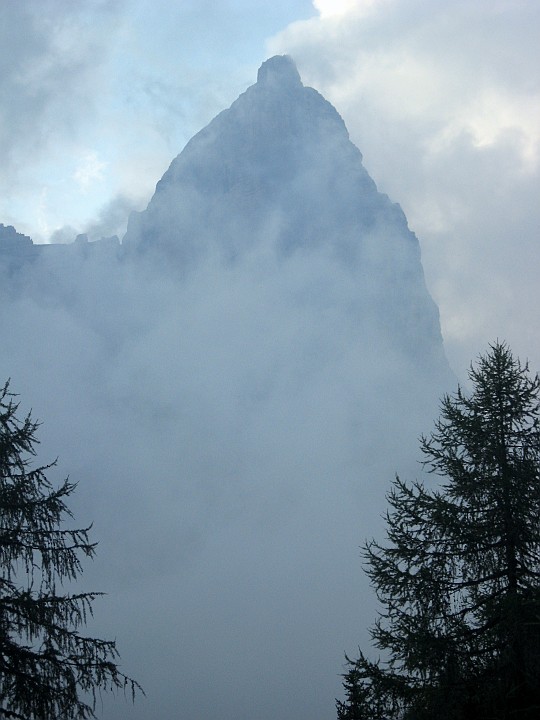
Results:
[278, 171]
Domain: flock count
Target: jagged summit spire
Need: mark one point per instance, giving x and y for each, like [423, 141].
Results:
[279, 70]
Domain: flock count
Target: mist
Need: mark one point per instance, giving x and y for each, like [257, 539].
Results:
[233, 438]
[233, 424]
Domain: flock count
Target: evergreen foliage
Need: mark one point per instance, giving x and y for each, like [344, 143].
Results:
[459, 576]
[48, 670]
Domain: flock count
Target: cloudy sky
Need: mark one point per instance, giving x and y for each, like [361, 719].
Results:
[228, 524]
[443, 100]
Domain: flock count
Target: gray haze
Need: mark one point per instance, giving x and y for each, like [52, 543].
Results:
[233, 388]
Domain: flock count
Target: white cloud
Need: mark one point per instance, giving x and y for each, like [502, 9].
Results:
[336, 8]
[89, 170]
[443, 100]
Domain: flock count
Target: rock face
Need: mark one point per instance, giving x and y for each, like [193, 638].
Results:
[18, 251]
[277, 169]
[15, 248]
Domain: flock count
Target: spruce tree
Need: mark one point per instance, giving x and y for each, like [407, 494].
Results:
[458, 577]
[48, 670]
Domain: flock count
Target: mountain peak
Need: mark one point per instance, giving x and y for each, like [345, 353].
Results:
[276, 173]
[278, 71]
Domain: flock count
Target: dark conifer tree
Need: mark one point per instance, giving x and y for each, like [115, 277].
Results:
[459, 576]
[48, 670]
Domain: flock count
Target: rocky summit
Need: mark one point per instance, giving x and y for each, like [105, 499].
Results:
[277, 171]
[277, 165]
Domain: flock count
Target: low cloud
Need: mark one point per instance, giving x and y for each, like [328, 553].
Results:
[112, 218]
[233, 432]
[63, 235]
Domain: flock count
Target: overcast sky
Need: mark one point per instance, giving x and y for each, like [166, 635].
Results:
[443, 100]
